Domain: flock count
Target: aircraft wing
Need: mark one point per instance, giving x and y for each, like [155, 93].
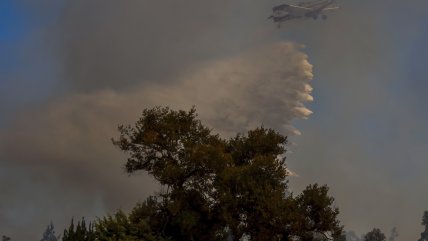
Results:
[333, 8]
[298, 10]
[288, 7]
[315, 3]
[298, 7]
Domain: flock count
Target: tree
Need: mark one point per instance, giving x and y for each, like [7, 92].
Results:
[317, 213]
[342, 237]
[375, 235]
[215, 189]
[49, 234]
[424, 234]
[122, 227]
[81, 232]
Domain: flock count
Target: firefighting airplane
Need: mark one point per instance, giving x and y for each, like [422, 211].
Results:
[312, 9]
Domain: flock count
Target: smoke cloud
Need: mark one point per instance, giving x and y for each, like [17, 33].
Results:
[268, 85]
[149, 41]
[90, 65]
[69, 166]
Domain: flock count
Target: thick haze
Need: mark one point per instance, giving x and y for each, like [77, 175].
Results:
[74, 70]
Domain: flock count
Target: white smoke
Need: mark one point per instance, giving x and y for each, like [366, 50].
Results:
[267, 86]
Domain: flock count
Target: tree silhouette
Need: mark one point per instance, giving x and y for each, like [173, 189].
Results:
[375, 235]
[49, 234]
[80, 232]
[424, 234]
[215, 189]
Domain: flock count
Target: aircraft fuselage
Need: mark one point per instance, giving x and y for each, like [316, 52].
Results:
[311, 9]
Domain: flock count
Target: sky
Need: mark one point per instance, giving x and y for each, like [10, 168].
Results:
[349, 91]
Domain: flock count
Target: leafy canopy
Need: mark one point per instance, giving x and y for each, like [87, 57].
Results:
[215, 189]
[80, 232]
[375, 235]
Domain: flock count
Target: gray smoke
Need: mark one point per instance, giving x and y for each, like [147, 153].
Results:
[100, 63]
[150, 41]
[68, 166]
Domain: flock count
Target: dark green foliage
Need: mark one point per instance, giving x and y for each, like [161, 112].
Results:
[424, 234]
[49, 234]
[135, 226]
[216, 189]
[375, 235]
[169, 145]
[80, 232]
[317, 214]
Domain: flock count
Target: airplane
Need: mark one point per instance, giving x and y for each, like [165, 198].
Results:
[312, 9]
